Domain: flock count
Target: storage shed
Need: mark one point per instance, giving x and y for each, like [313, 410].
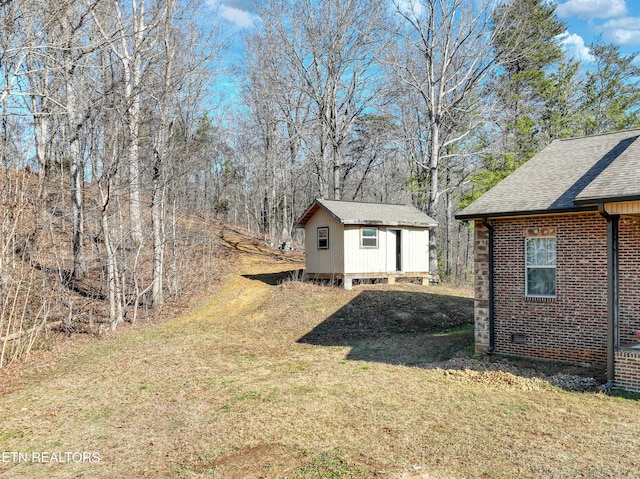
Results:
[349, 240]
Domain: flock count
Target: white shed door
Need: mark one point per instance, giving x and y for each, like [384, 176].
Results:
[394, 251]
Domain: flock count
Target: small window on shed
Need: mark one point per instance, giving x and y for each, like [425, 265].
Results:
[369, 237]
[323, 237]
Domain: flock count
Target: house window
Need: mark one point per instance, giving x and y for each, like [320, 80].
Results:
[369, 237]
[540, 278]
[323, 237]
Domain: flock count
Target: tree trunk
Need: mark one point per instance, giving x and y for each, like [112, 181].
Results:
[157, 219]
[434, 194]
[77, 181]
[113, 279]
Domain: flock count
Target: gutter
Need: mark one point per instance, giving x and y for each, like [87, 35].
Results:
[462, 216]
[612, 288]
[605, 199]
[491, 347]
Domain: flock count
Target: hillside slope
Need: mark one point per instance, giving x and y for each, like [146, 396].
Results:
[283, 379]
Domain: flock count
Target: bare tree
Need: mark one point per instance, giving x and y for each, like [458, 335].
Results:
[444, 54]
[128, 39]
[327, 51]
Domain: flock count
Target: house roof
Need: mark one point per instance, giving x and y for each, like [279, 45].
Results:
[568, 175]
[359, 213]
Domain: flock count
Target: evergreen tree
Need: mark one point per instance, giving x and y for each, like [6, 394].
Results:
[523, 87]
[533, 94]
[611, 95]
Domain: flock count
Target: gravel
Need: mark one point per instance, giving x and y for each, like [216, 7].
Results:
[503, 372]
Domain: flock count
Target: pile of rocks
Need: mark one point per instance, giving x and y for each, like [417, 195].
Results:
[504, 372]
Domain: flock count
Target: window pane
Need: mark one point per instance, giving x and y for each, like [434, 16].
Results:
[323, 238]
[541, 281]
[541, 251]
[369, 237]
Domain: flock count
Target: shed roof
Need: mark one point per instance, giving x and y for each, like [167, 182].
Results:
[361, 213]
[568, 175]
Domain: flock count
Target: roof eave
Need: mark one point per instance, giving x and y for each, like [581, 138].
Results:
[606, 199]
[315, 206]
[504, 214]
[388, 223]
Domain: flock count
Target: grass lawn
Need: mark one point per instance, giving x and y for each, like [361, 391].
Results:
[297, 380]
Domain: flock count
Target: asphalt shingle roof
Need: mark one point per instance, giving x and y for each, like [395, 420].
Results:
[359, 213]
[567, 175]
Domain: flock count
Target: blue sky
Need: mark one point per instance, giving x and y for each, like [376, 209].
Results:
[616, 21]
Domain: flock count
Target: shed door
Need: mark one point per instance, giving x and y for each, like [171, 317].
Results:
[394, 251]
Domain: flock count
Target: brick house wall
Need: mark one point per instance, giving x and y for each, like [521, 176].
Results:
[481, 287]
[573, 325]
[629, 276]
[627, 370]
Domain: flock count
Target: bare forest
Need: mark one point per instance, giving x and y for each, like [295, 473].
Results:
[128, 126]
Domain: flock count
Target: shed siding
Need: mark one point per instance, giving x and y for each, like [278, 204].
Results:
[416, 250]
[364, 260]
[324, 261]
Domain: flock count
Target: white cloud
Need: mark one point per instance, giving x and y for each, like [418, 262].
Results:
[409, 6]
[575, 47]
[592, 8]
[622, 31]
[240, 18]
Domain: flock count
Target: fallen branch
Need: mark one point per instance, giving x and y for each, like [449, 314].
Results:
[13, 336]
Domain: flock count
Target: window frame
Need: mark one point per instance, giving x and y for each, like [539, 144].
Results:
[363, 237]
[528, 267]
[318, 238]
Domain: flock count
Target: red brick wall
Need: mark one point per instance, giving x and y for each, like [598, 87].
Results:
[629, 279]
[627, 370]
[572, 326]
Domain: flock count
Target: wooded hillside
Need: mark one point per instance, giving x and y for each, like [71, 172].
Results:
[122, 119]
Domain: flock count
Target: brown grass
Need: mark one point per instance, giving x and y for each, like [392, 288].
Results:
[295, 380]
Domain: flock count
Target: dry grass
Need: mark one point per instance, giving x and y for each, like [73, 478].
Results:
[288, 381]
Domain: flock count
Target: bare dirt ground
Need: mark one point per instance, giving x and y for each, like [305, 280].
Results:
[283, 379]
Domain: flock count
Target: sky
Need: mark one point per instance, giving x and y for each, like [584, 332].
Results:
[238, 12]
[615, 21]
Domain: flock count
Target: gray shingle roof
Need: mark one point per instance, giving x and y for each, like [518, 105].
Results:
[359, 213]
[567, 175]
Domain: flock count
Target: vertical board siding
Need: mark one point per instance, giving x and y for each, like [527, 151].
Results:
[324, 261]
[345, 256]
[415, 250]
[364, 260]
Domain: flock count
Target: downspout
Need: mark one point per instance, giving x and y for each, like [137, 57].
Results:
[486, 224]
[612, 288]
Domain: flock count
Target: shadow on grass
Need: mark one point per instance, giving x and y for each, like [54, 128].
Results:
[430, 331]
[399, 327]
[274, 279]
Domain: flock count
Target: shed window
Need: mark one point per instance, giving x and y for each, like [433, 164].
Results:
[323, 237]
[540, 278]
[369, 237]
